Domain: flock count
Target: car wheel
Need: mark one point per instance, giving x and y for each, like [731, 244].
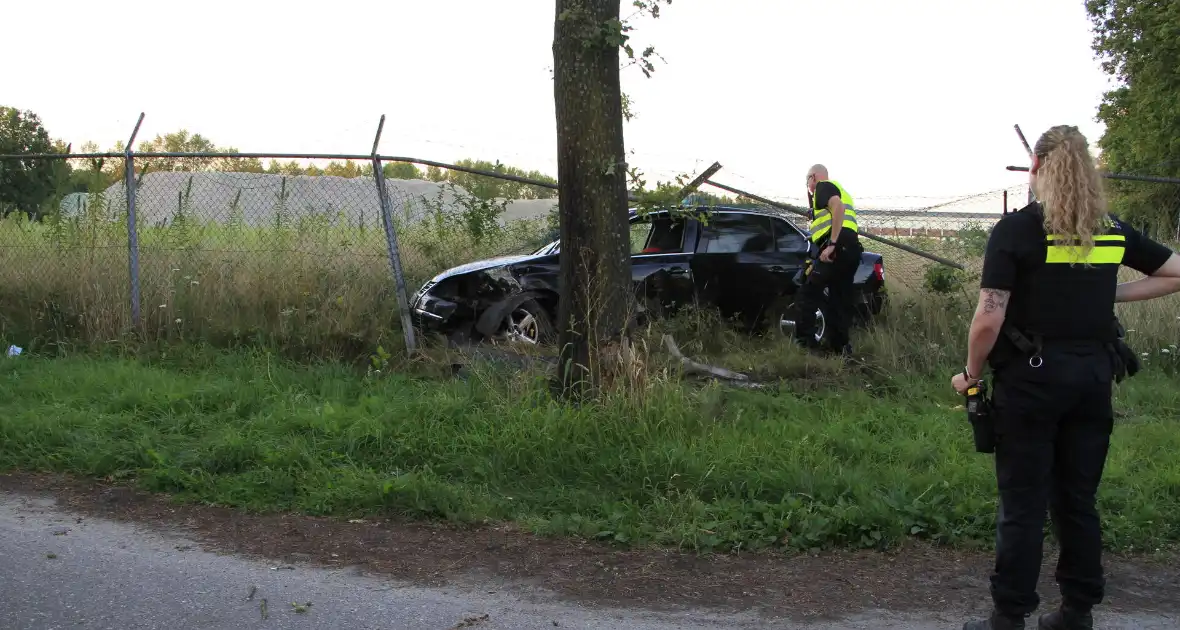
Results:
[788, 315]
[528, 324]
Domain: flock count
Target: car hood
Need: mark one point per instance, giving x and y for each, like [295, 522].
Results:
[481, 265]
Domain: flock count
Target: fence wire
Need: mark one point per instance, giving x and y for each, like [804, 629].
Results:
[954, 230]
[233, 250]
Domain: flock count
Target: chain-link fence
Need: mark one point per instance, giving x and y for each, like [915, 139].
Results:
[230, 250]
[926, 244]
[296, 250]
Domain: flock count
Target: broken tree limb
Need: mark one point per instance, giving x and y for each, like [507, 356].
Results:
[692, 186]
[692, 367]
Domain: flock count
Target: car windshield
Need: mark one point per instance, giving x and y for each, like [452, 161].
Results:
[549, 248]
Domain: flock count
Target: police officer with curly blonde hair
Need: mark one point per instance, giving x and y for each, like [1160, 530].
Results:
[1045, 324]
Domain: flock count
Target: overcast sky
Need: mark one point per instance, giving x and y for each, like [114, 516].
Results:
[904, 98]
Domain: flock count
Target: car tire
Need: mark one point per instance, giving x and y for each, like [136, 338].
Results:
[869, 307]
[877, 302]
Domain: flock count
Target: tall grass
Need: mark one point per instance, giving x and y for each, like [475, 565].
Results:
[319, 288]
[315, 289]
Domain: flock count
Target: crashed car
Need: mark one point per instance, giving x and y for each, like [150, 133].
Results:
[746, 263]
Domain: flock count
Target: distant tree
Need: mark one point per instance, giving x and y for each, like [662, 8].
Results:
[402, 170]
[241, 165]
[185, 142]
[435, 174]
[177, 142]
[95, 174]
[1138, 42]
[29, 185]
[344, 169]
[290, 168]
[486, 187]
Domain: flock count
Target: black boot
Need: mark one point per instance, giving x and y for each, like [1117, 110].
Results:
[1067, 618]
[997, 621]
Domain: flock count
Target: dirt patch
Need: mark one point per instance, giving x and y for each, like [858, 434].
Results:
[916, 578]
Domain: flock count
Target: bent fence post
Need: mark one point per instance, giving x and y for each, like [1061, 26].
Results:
[395, 261]
[132, 227]
[692, 186]
[782, 206]
[1027, 148]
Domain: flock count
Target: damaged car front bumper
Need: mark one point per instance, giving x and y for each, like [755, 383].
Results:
[431, 312]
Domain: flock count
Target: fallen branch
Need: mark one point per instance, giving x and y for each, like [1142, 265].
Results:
[693, 367]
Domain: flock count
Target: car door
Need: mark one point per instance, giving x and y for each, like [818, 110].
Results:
[736, 266]
[661, 249]
[792, 251]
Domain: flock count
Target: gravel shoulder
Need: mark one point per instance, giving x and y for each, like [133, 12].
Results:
[122, 557]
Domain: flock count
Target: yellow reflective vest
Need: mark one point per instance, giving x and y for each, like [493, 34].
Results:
[1108, 248]
[821, 216]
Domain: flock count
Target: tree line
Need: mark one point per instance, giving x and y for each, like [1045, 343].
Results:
[35, 186]
[1138, 45]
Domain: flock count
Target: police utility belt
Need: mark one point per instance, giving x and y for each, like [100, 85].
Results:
[1029, 347]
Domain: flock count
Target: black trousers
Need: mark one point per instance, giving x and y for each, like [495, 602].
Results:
[839, 303]
[1053, 427]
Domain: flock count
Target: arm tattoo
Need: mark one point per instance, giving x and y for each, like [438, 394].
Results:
[994, 300]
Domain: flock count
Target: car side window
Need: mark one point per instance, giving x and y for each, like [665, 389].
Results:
[735, 233]
[787, 238]
[657, 235]
[640, 231]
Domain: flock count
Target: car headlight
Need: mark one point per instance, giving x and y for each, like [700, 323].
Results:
[422, 293]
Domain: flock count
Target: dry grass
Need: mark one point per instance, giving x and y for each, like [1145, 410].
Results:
[327, 293]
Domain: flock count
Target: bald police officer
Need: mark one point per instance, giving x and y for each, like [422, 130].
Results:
[836, 251]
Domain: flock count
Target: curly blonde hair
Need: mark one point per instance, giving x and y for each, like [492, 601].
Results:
[1068, 186]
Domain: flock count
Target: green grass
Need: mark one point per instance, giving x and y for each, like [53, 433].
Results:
[859, 458]
[704, 468]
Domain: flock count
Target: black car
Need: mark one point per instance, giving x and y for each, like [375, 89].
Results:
[746, 263]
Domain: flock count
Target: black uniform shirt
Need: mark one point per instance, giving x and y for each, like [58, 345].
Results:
[1059, 301]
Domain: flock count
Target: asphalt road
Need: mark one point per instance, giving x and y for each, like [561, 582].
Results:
[58, 570]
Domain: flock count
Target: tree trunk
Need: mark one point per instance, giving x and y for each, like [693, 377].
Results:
[592, 193]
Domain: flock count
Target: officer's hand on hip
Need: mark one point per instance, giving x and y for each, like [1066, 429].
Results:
[827, 253]
[961, 383]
